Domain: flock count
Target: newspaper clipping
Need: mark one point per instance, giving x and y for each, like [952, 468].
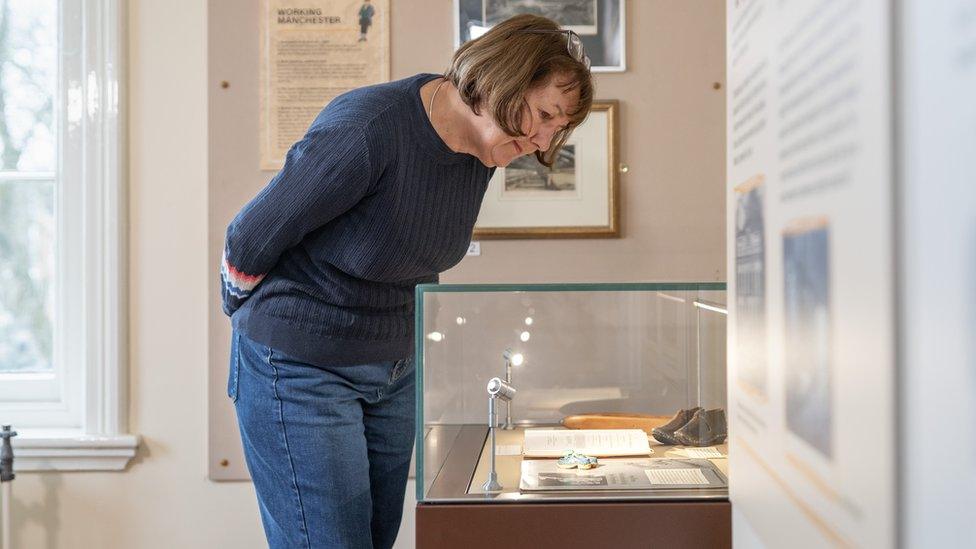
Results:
[312, 51]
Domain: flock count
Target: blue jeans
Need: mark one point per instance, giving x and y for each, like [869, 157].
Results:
[328, 448]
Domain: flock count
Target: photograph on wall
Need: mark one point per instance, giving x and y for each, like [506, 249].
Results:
[750, 284]
[311, 52]
[576, 197]
[577, 15]
[807, 340]
[600, 24]
[525, 177]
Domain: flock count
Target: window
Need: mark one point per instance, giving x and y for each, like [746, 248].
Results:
[28, 193]
[61, 300]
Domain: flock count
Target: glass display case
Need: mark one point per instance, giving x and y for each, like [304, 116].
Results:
[519, 387]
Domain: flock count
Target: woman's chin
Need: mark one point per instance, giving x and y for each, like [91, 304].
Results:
[506, 160]
[498, 162]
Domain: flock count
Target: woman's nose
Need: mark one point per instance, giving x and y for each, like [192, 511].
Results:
[542, 139]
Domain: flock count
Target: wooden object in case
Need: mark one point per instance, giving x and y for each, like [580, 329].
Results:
[611, 420]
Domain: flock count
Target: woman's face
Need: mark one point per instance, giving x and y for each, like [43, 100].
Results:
[547, 107]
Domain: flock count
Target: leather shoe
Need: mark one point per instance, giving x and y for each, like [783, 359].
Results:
[665, 433]
[706, 427]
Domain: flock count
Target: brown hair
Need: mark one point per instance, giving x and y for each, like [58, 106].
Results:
[495, 71]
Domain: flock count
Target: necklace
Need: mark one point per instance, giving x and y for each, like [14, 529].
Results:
[430, 107]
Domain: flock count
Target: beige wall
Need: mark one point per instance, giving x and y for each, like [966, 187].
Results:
[673, 139]
[673, 223]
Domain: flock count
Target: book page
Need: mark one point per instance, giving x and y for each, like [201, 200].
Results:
[675, 476]
[709, 452]
[592, 442]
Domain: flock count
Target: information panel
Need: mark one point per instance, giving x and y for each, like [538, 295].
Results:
[810, 199]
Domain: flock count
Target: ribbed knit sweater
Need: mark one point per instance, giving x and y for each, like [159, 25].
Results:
[322, 263]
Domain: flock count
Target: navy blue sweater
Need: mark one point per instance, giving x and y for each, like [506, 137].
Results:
[322, 263]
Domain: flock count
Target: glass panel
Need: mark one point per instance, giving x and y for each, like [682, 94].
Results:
[712, 313]
[27, 275]
[28, 72]
[636, 349]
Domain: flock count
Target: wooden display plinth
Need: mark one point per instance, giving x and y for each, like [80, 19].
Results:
[596, 525]
[456, 517]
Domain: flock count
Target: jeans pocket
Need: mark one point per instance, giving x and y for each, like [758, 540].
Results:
[400, 368]
[235, 367]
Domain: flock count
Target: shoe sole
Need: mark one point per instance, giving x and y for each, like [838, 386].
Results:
[664, 438]
[710, 442]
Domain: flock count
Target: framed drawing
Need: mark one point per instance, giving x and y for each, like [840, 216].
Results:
[600, 24]
[576, 198]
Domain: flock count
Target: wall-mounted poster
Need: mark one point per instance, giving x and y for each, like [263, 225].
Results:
[576, 198]
[600, 24]
[311, 52]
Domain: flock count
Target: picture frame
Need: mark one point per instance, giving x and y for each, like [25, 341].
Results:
[600, 24]
[577, 198]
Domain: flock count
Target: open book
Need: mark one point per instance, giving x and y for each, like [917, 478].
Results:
[592, 442]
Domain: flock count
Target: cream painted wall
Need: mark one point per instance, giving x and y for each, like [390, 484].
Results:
[673, 139]
[673, 222]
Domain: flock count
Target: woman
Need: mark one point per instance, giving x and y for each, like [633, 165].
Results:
[319, 271]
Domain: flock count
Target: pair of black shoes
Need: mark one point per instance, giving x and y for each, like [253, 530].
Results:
[693, 427]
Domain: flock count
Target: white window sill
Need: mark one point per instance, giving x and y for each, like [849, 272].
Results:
[44, 451]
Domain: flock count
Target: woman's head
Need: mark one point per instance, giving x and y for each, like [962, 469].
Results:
[522, 75]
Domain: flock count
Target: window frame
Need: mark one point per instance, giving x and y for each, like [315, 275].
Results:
[85, 427]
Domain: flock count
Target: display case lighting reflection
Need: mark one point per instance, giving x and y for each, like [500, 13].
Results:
[670, 297]
[524, 336]
[435, 336]
[714, 307]
[528, 321]
[511, 359]
[461, 320]
[515, 358]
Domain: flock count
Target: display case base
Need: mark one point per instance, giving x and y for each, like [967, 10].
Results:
[670, 524]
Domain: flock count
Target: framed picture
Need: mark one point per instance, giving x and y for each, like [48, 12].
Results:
[600, 24]
[576, 198]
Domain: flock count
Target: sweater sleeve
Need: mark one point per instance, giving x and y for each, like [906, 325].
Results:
[325, 174]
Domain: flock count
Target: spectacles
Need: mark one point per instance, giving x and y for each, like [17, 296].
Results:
[574, 44]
